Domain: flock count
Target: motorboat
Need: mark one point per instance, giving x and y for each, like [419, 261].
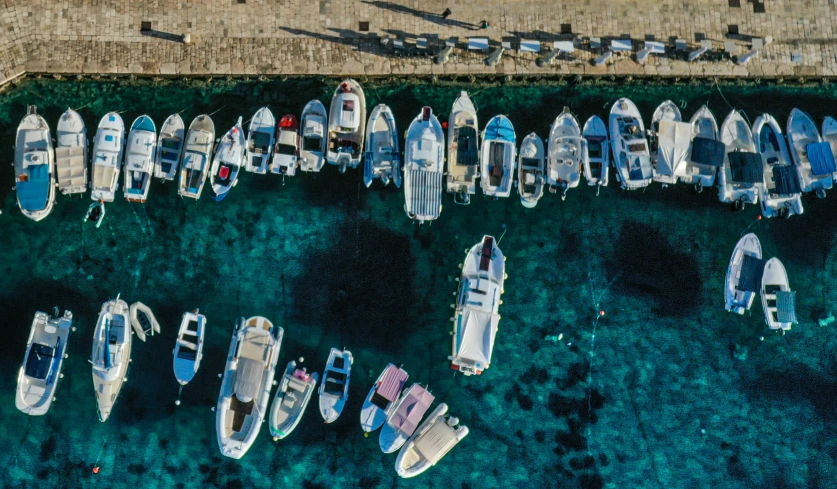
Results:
[46, 349]
[743, 274]
[334, 390]
[405, 418]
[188, 351]
[107, 157]
[345, 125]
[383, 395]
[71, 153]
[597, 158]
[531, 168]
[291, 399]
[777, 300]
[314, 142]
[423, 167]
[629, 145]
[260, 139]
[742, 175]
[139, 159]
[382, 157]
[666, 111]
[286, 151]
[245, 388]
[478, 301]
[111, 354]
[95, 213]
[463, 150]
[436, 436]
[812, 157]
[169, 148]
[34, 166]
[199, 143]
[707, 153]
[226, 165]
[143, 321]
[566, 150]
[670, 142]
[498, 157]
[829, 133]
[781, 193]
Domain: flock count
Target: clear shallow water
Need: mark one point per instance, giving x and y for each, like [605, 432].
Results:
[337, 264]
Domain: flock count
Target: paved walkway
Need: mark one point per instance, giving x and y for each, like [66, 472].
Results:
[322, 37]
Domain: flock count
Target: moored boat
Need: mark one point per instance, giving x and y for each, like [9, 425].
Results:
[829, 133]
[463, 150]
[707, 152]
[188, 351]
[742, 175]
[139, 159]
[107, 157]
[34, 166]
[423, 167]
[670, 142]
[436, 436]
[811, 156]
[291, 399]
[286, 151]
[46, 348]
[226, 165]
[312, 151]
[531, 168]
[781, 192]
[597, 158]
[199, 143]
[71, 153]
[95, 213]
[345, 125]
[777, 300]
[629, 145]
[334, 390]
[565, 152]
[405, 418]
[143, 321]
[498, 157]
[169, 148]
[382, 158]
[260, 137]
[743, 274]
[111, 354]
[382, 397]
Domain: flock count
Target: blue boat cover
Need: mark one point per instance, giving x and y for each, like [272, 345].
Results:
[821, 158]
[33, 193]
[746, 167]
[499, 128]
[144, 123]
[786, 306]
[751, 271]
[787, 180]
[707, 151]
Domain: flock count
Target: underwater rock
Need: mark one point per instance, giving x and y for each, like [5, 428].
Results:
[740, 352]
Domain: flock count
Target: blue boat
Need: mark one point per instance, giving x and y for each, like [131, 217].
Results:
[34, 166]
[498, 157]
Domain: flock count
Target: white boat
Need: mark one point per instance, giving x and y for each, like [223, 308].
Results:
[383, 395]
[498, 157]
[477, 304]
[111, 354]
[314, 142]
[143, 321]
[245, 388]
[436, 436]
[670, 142]
[41, 369]
[829, 133]
[291, 400]
[423, 167]
[629, 145]
[169, 148]
[463, 150]
[188, 351]
[405, 418]
[71, 153]
[781, 194]
[139, 159]
[345, 125]
[566, 150]
[226, 165]
[107, 157]
[531, 169]
[334, 390]
[199, 143]
[597, 158]
[34, 167]
[706, 154]
[812, 157]
[742, 175]
[260, 138]
[382, 157]
[286, 151]
[743, 274]
[777, 300]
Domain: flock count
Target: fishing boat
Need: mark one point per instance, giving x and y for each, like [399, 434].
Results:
[777, 300]
[743, 173]
[139, 159]
[829, 133]
[382, 155]
[199, 143]
[531, 166]
[630, 147]
[743, 274]
[436, 436]
[34, 166]
[812, 157]
[670, 142]
[226, 165]
[46, 349]
[498, 156]
[169, 148]
[423, 167]
[345, 125]
[313, 147]
[260, 138]
[95, 213]
[143, 321]
[291, 400]
[707, 153]
[781, 192]
[463, 150]
[286, 152]
[566, 150]
[245, 388]
[597, 158]
[111, 354]
[383, 395]
[71, 153]
[405, 418]
[334, 390]
[107, 157]
[188, 351]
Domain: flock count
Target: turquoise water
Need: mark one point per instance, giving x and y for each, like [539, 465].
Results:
[665, 405]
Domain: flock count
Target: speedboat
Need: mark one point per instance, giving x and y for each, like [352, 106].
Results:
[382, 156]
[629, 145]
[291, 400]
[334, 390]
[436, 436]
[423, 167]
[199, 143]
[107, 157]
[829, 133]
[34, 167]
[383, 395]
[41, 369]
[111, 354]
[743, 173]
[188, 351]
[245, 388]
[226, 165]
[139, 159]
[169, 148]
[345, 125]
[463, 150]
[566, 151]
[260, 138]
[312, 149]
[812, 157]
[477, 304]
[71, 153]
[405, 418]
[781, 194]
[531, 166]
[498, 157]
[670, 142]
[597, 158]
[777, 300]
[743, 274]
[707, 153]
[286, 151]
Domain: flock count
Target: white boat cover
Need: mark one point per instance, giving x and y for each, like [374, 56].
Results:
[674, 140]
[477, 332]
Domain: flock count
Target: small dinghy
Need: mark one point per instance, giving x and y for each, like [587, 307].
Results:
[382, 397]
[291, 400]
[829, 133]
[669, 140]
[95, 213]
[463, 150]
[597, 158]
[71, 153]
[312, 151]
[107, 157]
[743, 274]
[169, 148]
[286, 152]
[226, 165]
[436, 436]
[334, 390]
[345, 125]
[812, 156]
[188, 350]
[781, 192]
[707, 152]
[199, 143]
[405, 418]
[34, 167]
[41, 369]
[260, 138]
[630, 147]
[382, 156]
[498, 157]
[111, 355]
[424, 167]
[566, 150]
[139, 159]
[531, 165]
[143, 321]
[743, 172]
[777, 300]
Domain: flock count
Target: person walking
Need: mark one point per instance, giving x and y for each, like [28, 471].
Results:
[446, 13]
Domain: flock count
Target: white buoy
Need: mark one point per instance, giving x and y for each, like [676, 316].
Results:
[177, 402]
[301, 359]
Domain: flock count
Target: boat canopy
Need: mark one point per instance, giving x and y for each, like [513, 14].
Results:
[476, 335]
[33, 192]
[467, 153]
[392, 383]
[786, 306]
[436, 442]
[708, 152]
[751, 272]
[674, 139]
[348, 118]
[821, 158]
[786, 179]
[39, 361]
[746, 167]
[411, 409]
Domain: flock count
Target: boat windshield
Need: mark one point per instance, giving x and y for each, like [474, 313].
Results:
[380, 401]
[310, 143]
[637, 147]
[285, 149]
[39, 361]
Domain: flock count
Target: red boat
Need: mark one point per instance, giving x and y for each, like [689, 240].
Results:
[288, 122]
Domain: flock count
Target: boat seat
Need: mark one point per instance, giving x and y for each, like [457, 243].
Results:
[529, 179]
[187, 344]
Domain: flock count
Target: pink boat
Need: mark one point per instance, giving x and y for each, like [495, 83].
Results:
[382, 398]
[405, 418]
